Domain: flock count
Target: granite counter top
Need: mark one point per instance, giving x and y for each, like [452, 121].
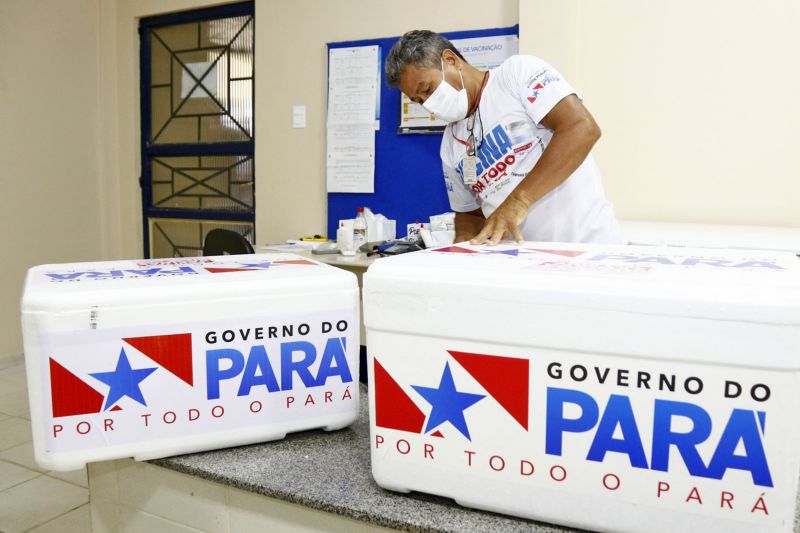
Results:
[331, 472]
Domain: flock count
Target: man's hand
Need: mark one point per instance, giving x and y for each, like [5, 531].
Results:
[505, 219]
[468, 224]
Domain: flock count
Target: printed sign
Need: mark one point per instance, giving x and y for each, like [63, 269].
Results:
[108, 387]
[623, 260]
[161, 268]
[716, 441]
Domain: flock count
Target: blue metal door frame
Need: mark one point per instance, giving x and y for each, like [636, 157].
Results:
[148, 150]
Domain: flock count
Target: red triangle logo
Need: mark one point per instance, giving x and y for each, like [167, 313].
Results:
[531, 99]
[505, 378]
[565, 253]
[296, 262]
[223, 270]
[393, 408]
[70, 395]
[116, 408]
[455, 250]
[173, 352]
[538, 86]
[437, 433]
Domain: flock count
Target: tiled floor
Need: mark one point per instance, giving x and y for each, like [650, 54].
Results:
[32, 499]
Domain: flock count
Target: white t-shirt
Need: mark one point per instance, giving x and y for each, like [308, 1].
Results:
[517, 96]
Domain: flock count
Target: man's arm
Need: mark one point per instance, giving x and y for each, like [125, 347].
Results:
[574, 134]
[468, 225]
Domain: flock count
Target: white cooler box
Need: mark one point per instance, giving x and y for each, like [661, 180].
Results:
[159, 357]
[610, 388]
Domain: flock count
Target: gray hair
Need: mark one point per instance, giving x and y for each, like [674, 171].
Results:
[421, 48]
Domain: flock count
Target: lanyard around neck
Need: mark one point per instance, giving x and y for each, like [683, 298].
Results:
[475, 112]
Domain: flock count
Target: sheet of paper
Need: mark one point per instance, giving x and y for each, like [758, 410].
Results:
[352, 84]
[351, 158]
[351, 140]
[353, 88]
[351, 175]
[486, 53]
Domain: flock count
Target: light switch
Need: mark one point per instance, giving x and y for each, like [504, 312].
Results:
[299, 116]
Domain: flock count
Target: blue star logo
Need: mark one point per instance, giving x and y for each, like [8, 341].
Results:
[265, 264]
[447, 404]
[123, 381]
[512, 252]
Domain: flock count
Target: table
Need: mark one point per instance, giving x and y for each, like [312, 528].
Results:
[357, 264]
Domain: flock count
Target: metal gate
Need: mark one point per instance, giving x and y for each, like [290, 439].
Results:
[197, 85]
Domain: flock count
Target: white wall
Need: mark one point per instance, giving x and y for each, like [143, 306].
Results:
[697, 101]
[50, 202]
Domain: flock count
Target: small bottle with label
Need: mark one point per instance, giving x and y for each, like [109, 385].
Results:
[359, 230]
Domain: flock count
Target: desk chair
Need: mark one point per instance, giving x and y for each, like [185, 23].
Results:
[226, 242]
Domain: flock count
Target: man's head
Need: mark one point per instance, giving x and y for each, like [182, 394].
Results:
[421, 60]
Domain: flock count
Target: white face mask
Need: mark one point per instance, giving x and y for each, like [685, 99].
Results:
[446, 102]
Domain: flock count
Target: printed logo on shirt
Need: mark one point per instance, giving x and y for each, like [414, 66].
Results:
[539, 81]
[496, 155]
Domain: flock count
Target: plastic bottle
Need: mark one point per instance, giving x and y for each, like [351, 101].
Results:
[359, 230]
[344, 237]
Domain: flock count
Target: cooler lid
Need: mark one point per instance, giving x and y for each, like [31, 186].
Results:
[68, 285]
[754, 286]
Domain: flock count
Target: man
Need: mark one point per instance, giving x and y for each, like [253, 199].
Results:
[515, 152]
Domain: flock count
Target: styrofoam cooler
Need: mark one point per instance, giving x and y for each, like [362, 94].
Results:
[153, 358]
[613, 388]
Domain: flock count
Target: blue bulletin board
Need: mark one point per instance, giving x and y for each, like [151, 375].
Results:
[409, 186]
